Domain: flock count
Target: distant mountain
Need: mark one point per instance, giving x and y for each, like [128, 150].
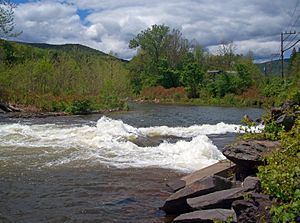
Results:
[73, 48]
[273, 68]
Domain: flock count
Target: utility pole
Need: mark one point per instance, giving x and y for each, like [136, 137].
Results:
[282, 39]
[281, 51]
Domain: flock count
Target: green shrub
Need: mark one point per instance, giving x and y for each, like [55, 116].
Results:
[59, 106]
[80, 107]
[281, 176]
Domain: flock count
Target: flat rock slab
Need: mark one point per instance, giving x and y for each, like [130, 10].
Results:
[177, 203]
[219, 199]
[249, 153]
[176, 185]
[206, 216]
[222, 168]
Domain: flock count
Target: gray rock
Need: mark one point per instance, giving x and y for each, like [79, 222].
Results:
[256, 208]
[251, 183]
[177, 203]
[264, 203]
[5, 107]
[206, 216]
[287, 105]
[287, 121]
[223, 168]
[176, 185]
[8, 108]
[219, 199]
[144, 141]
[246, 211]
[249, 153]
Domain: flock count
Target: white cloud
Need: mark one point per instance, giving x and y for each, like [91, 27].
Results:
[253, 25]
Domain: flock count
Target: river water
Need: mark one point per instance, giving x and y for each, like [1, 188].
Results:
[109, 168]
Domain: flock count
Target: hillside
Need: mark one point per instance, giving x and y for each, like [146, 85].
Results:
[71, 48]
[54, 77]
[273, 68]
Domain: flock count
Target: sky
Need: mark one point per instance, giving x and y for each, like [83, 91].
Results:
[109, 25]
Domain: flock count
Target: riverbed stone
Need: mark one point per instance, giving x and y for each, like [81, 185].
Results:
[249, 153]
[153, 141]
[206, 216]
[177, 203]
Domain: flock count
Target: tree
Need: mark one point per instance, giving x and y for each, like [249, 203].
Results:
[191, 76]
[151, 43]
[7, 23]
[152, 40]
[227, 51]
[177, 48]
[159, 59]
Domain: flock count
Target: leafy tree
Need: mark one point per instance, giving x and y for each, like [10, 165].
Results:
[159, 59]
[177, 48]
[8, 52]
[294, 66]
[191, 76]
[168, 77]
[7, 24]
[243, 80]
[152, 41]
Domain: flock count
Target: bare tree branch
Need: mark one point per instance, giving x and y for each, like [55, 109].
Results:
[7, 24]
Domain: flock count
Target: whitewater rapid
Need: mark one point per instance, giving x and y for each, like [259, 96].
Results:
[109, 142]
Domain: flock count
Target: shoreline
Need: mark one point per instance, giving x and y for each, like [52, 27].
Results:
[191, 102]
[241, 192]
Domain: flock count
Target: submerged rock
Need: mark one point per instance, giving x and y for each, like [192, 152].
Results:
[177, 203]
[206, 216]
[153, 141]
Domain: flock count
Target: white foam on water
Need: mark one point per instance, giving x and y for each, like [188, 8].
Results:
[108, 143]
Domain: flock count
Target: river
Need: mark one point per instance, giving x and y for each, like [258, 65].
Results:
[109, 168]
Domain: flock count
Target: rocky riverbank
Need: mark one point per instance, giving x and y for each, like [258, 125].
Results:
[13, 111]
[230, 190]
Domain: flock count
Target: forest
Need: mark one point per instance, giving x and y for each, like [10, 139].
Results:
[166, 60]
[167, 68]
[66, 78]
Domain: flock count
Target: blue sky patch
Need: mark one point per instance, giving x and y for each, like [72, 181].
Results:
[83, 14]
